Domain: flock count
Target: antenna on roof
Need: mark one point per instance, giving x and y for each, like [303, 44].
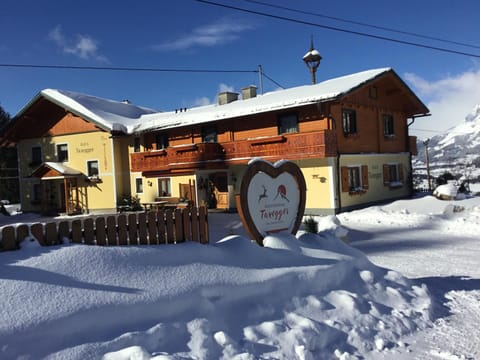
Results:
[260, 76]
[312, 60]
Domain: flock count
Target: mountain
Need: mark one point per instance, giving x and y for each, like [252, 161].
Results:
[456, 151]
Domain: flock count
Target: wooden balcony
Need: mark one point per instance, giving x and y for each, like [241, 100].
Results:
[182, 157]
[286, 146]
[219, 155]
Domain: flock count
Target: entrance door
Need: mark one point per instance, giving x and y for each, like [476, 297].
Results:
[219, 189]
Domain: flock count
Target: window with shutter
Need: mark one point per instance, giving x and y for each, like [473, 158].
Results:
[393, 175]
[354, 179]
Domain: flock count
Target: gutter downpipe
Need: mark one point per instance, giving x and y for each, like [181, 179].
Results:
[410, 181]
[333, 126]
[339, 184]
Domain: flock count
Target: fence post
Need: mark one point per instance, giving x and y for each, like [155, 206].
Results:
[22, 233]
[100, 231]
[179, 226]
[77, 231]
[111, 230]
[132, 229]
[142, 228]
[63, 231]
[203, 215]
[195, 225]
[122, 229]
[187, 224]
[51, 234]
[152, 228]
[161, 226]
[37, 232]
[170, 226]
[8, 238]
[88, 231]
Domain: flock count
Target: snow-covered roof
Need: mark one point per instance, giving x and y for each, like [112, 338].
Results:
[128, 118]
[277, 100]
[60, 168]
[108, 114]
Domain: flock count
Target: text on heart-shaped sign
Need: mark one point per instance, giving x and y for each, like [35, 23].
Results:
[272, 198]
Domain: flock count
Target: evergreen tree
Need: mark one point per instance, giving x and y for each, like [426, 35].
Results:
[4, 118]
[9, 185]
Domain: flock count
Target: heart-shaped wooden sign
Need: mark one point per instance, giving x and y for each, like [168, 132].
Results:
[272, 198]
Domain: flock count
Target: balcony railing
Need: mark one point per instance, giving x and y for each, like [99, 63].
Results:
[216, 155]
[286, 146]
[188, 156]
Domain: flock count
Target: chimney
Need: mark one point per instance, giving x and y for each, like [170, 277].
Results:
[249, 92]
[227, 97]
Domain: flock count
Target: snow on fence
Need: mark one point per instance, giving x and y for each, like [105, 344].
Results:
[145, 228]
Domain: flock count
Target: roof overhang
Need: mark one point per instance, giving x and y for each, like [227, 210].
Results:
[55, 171]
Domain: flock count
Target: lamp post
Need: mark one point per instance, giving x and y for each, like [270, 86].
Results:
[312, 60]
[425, 142]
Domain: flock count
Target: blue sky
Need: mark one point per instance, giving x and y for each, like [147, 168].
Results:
[187, 34]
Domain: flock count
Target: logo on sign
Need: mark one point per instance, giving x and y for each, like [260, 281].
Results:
[272, 198]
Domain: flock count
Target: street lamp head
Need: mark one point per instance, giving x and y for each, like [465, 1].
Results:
[312, 60]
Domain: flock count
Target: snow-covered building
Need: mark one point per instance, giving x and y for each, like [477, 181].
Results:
[349, 135]
[73, 152]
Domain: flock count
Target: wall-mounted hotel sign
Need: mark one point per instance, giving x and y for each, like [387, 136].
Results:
[272, 198]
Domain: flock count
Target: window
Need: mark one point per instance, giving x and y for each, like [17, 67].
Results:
[354, 183]
[388, 129]
[288, 123]
[36, 156]
[354, 178]
[209, 134]
[373, 92]
[393, 175]
[62, 152]
[349, 121]
[136, 144]
[92, 168]
[139, 185]
[164, 187]
[161, 141]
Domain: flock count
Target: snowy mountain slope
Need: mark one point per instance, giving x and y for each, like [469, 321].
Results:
[455, 151]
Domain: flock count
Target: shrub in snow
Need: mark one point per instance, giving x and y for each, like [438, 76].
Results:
[311, 225]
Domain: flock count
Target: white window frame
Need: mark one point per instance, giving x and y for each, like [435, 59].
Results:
[88, 168]
[141, 184]
[57, 151]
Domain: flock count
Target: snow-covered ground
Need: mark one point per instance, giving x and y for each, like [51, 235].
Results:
[407, 286]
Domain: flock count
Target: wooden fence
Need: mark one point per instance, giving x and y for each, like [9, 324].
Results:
[143, 228]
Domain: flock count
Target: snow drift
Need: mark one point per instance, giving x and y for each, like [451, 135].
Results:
[296, 298]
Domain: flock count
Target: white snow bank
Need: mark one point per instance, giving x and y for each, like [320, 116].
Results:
[306, 298]
[446, 191]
